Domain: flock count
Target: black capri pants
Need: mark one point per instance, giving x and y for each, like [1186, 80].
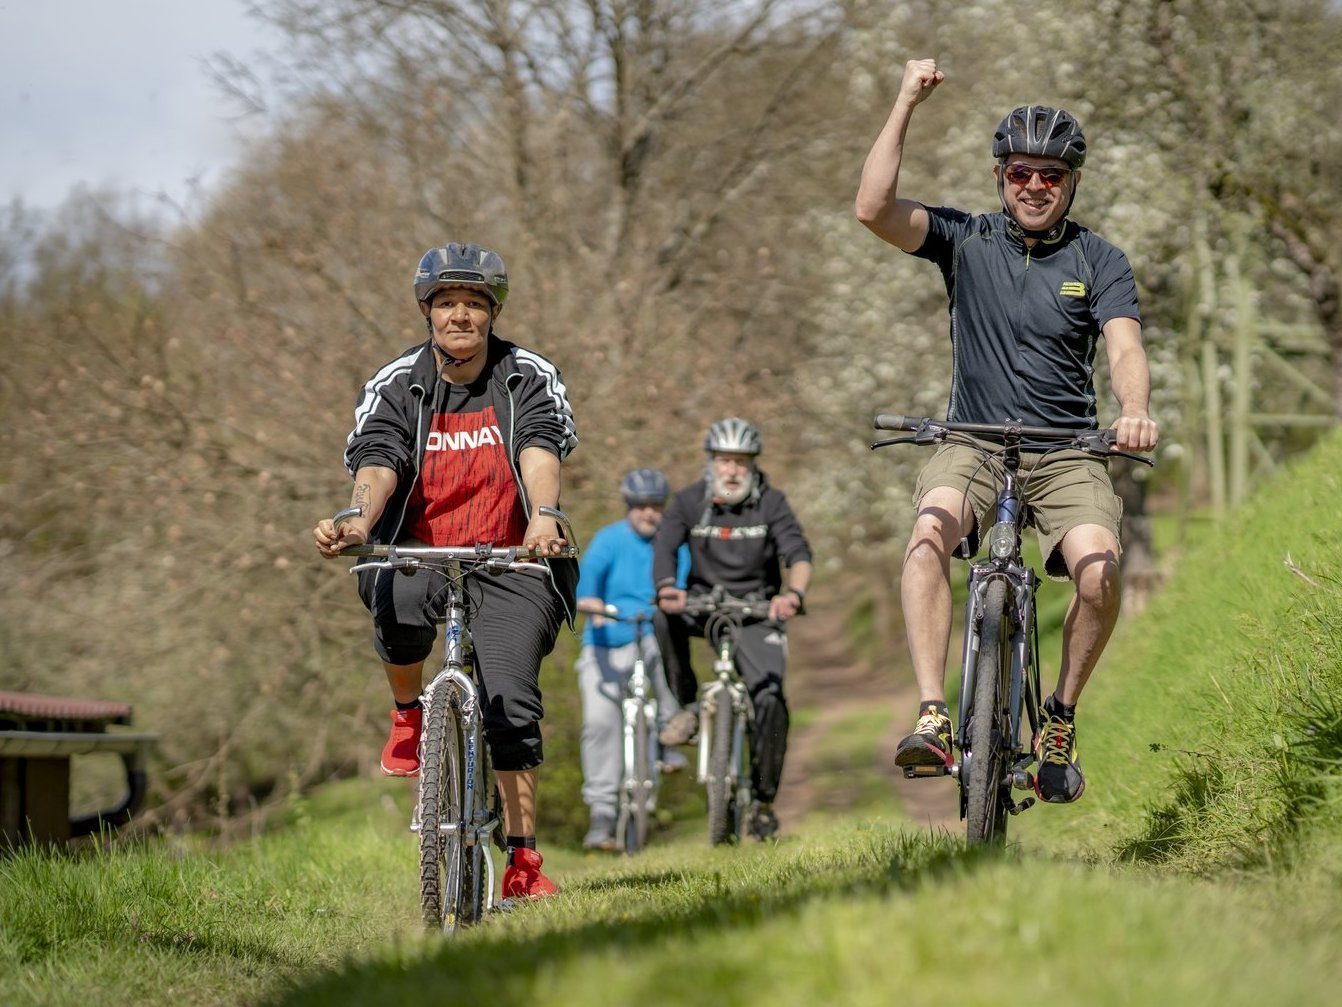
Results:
[514, 621]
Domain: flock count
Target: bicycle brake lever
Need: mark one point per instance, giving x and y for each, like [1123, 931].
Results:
[1146, 460]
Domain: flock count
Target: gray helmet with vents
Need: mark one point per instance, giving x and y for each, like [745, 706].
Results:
[460, 265]
[733, 436]
[1041, 131]
[644, 486]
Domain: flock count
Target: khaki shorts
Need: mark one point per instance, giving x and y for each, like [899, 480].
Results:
[1069, 489]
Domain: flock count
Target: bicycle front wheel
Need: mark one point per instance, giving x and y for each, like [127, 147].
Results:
[442, 853]
[635, 801]
[721, 814]
[985, 807]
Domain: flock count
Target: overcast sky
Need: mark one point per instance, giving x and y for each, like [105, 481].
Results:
[115, 92]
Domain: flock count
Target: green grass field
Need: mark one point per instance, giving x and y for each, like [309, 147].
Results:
[1203, 865]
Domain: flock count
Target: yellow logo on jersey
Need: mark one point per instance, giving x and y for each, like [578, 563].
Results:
[1072, 288]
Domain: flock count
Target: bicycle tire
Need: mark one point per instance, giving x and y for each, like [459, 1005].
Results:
[743, 768]
[985, 814]
[722, 826]
[441, 857]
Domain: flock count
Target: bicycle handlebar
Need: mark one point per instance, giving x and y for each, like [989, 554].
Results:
[926, 430]
[717, 600]
[407, 556]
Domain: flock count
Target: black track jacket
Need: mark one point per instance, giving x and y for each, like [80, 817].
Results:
[395, 410]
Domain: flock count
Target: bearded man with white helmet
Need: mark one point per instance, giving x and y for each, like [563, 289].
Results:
[744, 538]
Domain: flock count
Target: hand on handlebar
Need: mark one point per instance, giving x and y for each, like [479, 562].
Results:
[784, 606]
[331, 540]
[1136, 433]
[543, 535]
[671, 600]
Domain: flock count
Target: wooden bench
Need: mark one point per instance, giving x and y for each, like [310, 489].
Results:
[39, 735]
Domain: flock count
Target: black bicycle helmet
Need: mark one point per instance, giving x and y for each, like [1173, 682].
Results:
[461, 265]
[1042, 131]
[733, 436]
[644, 486]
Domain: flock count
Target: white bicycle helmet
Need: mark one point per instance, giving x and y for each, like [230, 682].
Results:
[733, 436]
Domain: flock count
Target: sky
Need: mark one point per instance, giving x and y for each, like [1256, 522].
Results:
[116, 93]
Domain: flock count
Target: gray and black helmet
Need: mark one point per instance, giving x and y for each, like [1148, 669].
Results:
[1041, 131]
[459, 265]
[733, 436]
[644, 486]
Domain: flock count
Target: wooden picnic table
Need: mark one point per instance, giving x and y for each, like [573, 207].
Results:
[39, 735]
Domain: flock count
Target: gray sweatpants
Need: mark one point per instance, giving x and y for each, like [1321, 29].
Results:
[603, 675]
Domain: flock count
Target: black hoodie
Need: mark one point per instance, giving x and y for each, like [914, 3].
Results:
[737, 546]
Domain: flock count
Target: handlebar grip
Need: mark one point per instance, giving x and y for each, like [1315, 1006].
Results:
[893, 421]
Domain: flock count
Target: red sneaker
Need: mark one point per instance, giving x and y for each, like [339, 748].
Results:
[400, 757]
[522, 878]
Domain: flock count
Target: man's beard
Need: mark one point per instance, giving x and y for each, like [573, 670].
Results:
[724, 493]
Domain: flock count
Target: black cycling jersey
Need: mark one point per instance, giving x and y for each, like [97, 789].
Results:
[1025, 321]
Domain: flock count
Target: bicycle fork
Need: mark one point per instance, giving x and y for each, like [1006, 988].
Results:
[478, 819]
[640, 789]
[1023, 680]
[722, 698]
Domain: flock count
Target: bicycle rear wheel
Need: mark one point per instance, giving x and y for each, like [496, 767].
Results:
[442, 860]
[721, 813]
[985, 808]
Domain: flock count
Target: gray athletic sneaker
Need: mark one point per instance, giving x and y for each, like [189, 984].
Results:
[761, 821]
[681, 729]
[601, 835]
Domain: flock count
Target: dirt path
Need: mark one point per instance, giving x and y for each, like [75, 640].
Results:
[824, 674]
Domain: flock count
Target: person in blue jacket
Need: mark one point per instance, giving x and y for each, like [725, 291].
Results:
[616, 570]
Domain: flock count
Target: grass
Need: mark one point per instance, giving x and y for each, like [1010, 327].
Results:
[1201, 867]
[1211, 729]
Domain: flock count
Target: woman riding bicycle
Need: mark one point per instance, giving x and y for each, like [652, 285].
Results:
[1030, 294]
[459, 441]
[738, 528]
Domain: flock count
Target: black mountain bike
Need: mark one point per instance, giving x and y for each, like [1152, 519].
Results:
[999, 680]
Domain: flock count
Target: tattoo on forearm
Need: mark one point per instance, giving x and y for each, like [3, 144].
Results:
[363, 495]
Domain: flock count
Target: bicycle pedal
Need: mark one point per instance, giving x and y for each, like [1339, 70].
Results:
[917, 772]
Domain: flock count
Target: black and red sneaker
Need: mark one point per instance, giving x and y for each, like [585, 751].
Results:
[930, 746]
